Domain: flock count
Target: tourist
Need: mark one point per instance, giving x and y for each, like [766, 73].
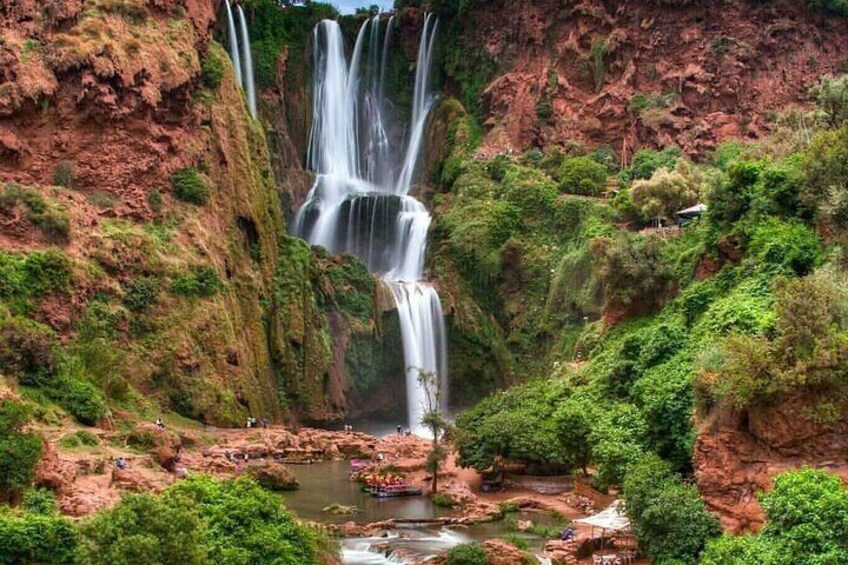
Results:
[399, 429]
[160, 423]
[120, 464]
[266, 423]
[567, 534]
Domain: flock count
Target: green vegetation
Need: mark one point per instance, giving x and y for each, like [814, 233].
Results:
[275, 27]
[190, 186]
[63, 175]
[582, 175]
[19, 452]
[45, 215]
[212, 68]
[807, 513]
[467, 554]
[200, 282]
[199, 521]
[668, 516]
[79, 438]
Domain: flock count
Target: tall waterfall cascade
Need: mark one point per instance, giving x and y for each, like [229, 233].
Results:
[242, 61]
[360, 202]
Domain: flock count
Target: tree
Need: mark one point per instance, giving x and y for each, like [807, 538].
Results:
[145, 529]
[668, 516]
[667, 192]
[19, 451]
[435, 422]
[582, 175]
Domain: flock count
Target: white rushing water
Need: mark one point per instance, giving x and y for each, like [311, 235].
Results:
[242, 62]
[234, 50]
[247, 57]
[360, 201]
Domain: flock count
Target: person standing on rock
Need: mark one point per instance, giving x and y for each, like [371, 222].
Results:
[399, 429]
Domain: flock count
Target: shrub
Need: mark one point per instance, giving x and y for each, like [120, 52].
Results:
[633, 276]
[31, 537]
[783, 247]
[26, 350]
[202, 282]
[442, 501]
[81, 399]
[50, 218]
[19, 451]
[247, 524]
[63, 175]
[824, 170]
[646, 161]
[79, 438]
[467, 554]
[212, 69]
[807, 522]
[582, 175]
[141, 293]
[731, 199]
[145, 529]
[155, 201]
[190, 186]
[831, 94]
[666, 192]
[668, 516]
[39, 501]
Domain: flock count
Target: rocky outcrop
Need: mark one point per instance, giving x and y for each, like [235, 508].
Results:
[736, 456]
[273, 476]
[635, 73]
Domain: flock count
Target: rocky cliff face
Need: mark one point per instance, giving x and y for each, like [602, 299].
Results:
[123, 120]
[738, 455]
[636, 73]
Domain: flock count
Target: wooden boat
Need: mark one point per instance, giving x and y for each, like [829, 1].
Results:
[394, 490]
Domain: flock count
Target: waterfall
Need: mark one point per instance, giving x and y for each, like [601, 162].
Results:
[247, 57]
[360, 202]
[244, 73]
[234, 50]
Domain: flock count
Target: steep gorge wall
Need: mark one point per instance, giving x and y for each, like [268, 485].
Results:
[635, 73]
[102, 103]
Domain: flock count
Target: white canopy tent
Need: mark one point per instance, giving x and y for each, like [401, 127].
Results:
[611, 518]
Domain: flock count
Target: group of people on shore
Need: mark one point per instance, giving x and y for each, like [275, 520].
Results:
[252, 422]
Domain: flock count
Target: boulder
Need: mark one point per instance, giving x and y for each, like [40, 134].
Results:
[273, 476]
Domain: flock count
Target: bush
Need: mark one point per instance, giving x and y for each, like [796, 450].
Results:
[145, 529]
[155, 201]
[141, 293]
[82, 400]
[190, 186]
[789, 248]
[19, 451]
[79, 438]
[646, 161]
[668, 516]
[831, 94]
[632, 273]
[247, 524]
[666, 192]
[212, 69]
[39, 501]
[31, 537]
[467, 554]
[824, 170]
[63, 175]
[49, 217]
[202, 282]
[582, 175]
[807, 522]
[26, 350]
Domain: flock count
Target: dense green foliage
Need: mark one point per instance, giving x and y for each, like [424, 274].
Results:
[467, 554]
[807, 522]
[582, 175]
[201, 521]
[36, 534]
[200, 282]
[19, 450]
[668, 516]
[274, 27]
[190, 186]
